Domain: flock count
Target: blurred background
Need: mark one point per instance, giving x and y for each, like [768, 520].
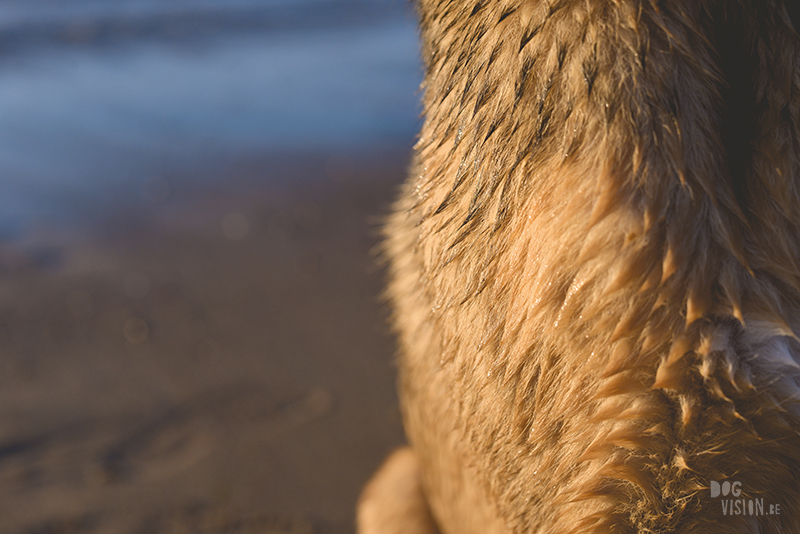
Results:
[191, 333]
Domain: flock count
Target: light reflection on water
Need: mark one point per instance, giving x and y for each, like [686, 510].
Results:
[91, 117]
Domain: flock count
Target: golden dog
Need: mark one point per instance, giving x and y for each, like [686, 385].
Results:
[595, 272]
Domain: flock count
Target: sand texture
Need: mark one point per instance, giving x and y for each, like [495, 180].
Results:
[202, 356]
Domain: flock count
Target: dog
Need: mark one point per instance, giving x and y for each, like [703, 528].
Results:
[594, 272]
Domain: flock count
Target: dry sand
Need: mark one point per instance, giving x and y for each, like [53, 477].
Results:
[200, 358]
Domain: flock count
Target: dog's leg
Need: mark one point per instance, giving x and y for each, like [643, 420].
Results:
[393, 502]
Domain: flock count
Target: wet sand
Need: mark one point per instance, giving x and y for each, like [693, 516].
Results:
[204, 356]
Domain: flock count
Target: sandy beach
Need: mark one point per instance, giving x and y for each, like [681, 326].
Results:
[202, 356]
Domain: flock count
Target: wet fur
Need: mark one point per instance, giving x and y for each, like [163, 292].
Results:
[595, 265]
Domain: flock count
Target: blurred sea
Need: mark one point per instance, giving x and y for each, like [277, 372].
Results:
[97, 95]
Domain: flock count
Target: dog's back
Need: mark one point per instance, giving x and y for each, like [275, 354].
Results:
[595, 269]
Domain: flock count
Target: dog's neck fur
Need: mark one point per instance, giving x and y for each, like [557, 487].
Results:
[606, 231]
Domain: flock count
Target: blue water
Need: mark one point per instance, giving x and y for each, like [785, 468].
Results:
[99, 93]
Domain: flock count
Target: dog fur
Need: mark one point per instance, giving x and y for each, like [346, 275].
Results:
[595, 270]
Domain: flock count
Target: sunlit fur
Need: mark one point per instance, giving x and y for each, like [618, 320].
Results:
[595, 265]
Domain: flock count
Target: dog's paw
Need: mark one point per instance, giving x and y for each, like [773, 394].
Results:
[393, 502]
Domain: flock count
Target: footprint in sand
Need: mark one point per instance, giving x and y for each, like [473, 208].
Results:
[184, 436]
[158, 453]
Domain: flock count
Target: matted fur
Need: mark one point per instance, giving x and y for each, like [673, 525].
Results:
[595, 265]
